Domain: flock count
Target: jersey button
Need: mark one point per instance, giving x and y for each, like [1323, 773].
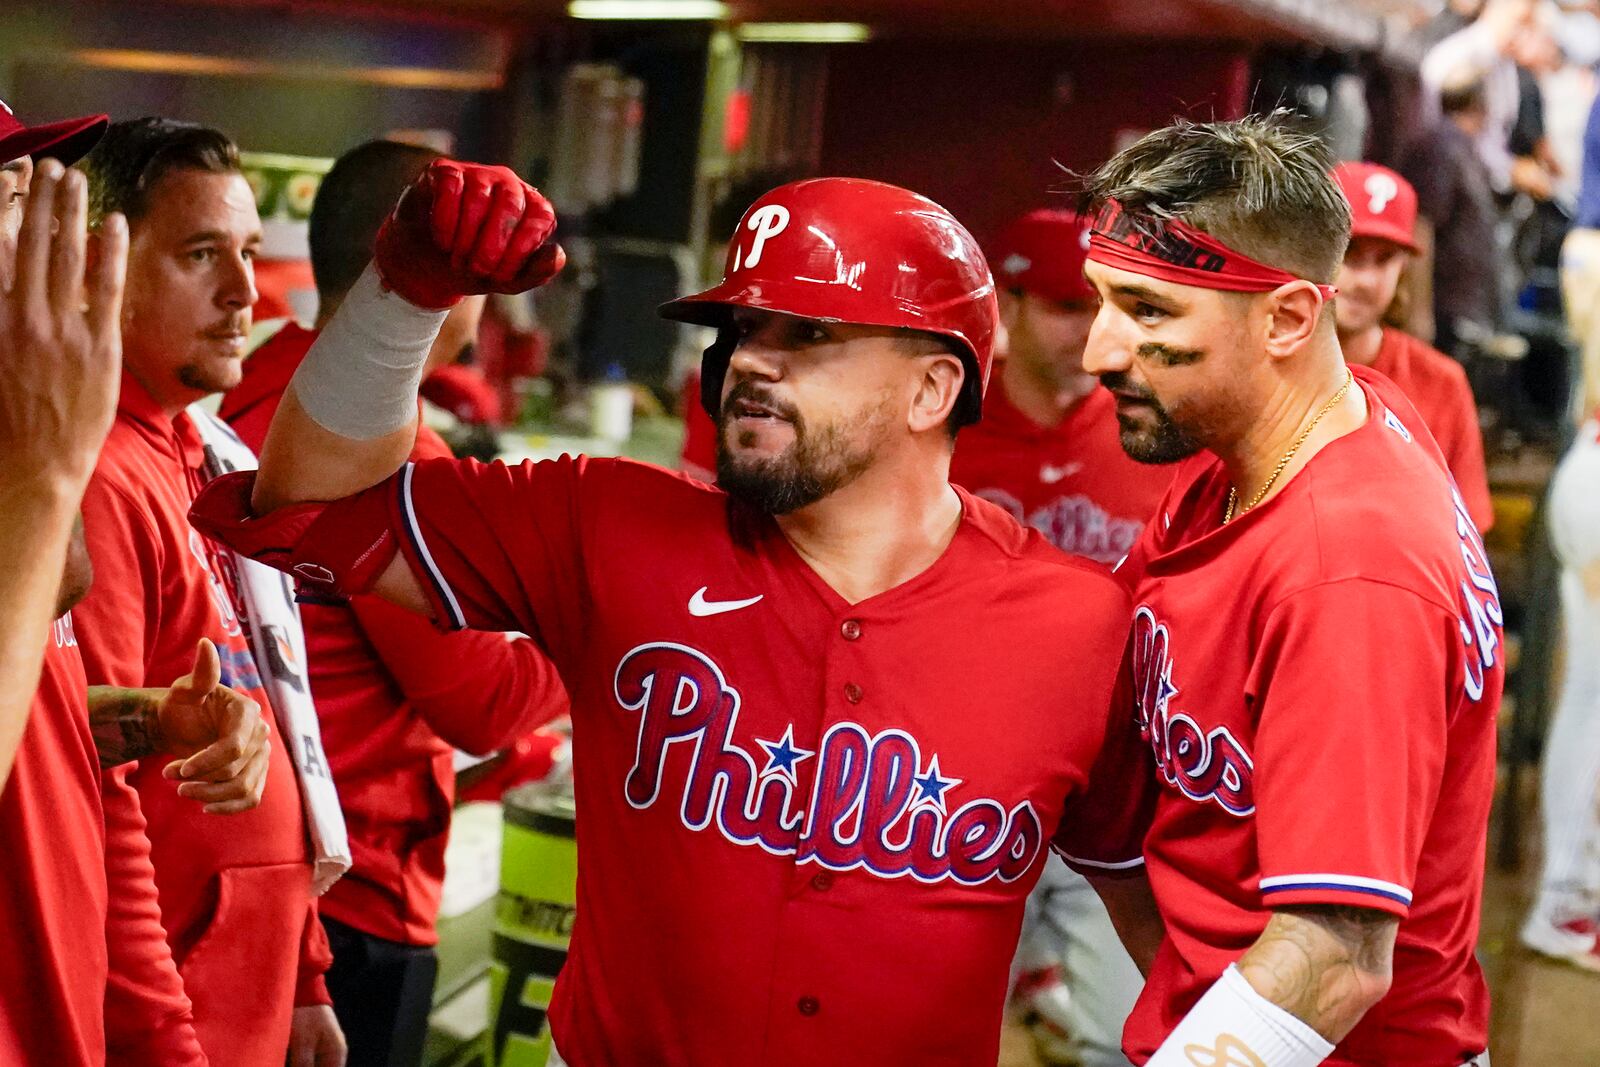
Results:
[851, 629]
[809, 1006]
[822, 882]
[852, 692]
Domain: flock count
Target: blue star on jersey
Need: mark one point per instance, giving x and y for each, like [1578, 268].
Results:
[782, 755]
[933, 785]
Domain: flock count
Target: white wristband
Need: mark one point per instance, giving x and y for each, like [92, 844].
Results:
[1234, 1026]
[361, 376]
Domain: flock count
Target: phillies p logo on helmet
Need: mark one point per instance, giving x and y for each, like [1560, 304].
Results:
[765, 222]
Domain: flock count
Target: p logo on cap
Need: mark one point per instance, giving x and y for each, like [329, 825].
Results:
[1381, 190]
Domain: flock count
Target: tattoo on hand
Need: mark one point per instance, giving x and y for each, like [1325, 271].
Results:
[124, 725]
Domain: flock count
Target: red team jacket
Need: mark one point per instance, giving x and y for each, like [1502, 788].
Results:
[235, 892]
[1071, 482]
[1317, 683]
[1437, 386]
[53, 878]
[395, 698]
[814, 823]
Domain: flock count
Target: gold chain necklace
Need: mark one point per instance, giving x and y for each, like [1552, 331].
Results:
[1233, 493]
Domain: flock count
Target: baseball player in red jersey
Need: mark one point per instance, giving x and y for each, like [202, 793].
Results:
[1047, 448]
[1316, 644]
[54, 893]
[823, 707]
[235, 896]
[1383, 220]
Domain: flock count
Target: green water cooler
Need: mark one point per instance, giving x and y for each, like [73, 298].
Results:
[533, 922]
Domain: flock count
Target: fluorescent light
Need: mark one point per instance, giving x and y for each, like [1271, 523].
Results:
[805, 32]
[147, 62]
[648, 9]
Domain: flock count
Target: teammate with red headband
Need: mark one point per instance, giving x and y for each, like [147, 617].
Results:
[823, 705]
[1316, 644]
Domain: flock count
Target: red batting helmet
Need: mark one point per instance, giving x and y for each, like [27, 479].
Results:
[849, 250]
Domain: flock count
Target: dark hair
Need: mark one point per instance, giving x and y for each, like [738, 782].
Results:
[1257, 184]
[355, 196]
[136, 154]
[1460, 96]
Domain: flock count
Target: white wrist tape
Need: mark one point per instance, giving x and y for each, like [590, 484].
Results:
[1234, 1026]
[361, 376]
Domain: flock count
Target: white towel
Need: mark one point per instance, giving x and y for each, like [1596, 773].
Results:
[271, 619]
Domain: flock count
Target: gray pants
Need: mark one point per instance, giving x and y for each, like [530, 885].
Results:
[1066, 925]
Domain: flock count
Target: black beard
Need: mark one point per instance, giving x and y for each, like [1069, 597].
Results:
[1167, 442]
[814, 467]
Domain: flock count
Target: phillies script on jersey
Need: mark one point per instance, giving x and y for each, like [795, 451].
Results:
[1317, 684]
[806, 828]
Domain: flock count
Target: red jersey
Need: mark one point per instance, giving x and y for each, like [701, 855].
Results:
[1318, 681]
[1437, 385]
[395, 699]
[53, 880]
[235, 892]
[813, 824]
[1072, 482]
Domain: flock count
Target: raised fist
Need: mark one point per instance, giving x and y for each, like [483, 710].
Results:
[463, 228]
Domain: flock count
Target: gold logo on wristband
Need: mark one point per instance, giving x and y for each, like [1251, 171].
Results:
[1230, 1051]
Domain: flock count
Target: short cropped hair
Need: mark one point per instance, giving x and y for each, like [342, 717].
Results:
[1258, 184]
[355, 196]
[134, 155]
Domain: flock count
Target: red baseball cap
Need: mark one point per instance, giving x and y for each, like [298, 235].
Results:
[1382, 204]
[1043, 253]
[68, 140]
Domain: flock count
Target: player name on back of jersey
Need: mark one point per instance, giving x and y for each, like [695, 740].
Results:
[875, 803]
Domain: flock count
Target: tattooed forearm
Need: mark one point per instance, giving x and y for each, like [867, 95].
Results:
[124, 724]
[1325, 965]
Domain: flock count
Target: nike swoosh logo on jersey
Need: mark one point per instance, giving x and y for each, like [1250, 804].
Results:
[700, 607]
[1051, 475]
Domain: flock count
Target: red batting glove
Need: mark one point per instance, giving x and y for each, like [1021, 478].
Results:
[463, 228]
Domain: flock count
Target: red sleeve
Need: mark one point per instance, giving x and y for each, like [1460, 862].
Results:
[1352, 683]
[316, 956]
[496, 547]
[120, 618]
[149, 1020]
[1103, 828]
[478, 691]
[1462, 446]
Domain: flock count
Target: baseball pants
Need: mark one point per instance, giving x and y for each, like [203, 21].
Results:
[1065, 924]
[382, 993]
[1570, 885]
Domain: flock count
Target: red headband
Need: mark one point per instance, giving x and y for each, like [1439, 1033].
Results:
[1174, 251]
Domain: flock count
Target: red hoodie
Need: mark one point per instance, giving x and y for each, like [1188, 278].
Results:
[53, 880]
[395, 697]
[235, 892]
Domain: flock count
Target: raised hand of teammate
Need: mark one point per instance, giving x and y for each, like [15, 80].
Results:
[464, 228]
[60, 335]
